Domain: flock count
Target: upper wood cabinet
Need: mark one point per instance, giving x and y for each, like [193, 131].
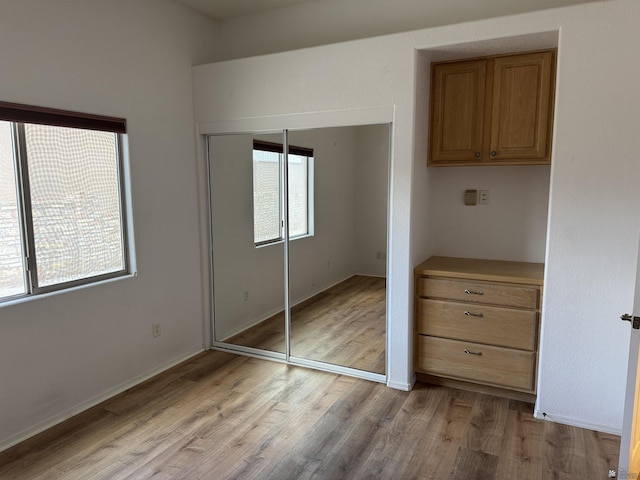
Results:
[492, 110]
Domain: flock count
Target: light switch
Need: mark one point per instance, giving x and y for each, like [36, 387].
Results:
[471, 197]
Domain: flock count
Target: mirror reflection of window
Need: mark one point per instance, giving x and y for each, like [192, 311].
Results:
[268, 192]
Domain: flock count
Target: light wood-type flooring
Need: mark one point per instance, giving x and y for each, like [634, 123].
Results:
[343, 325]
[221, 416]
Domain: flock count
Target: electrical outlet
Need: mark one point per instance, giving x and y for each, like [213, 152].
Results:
[246, 295]
[156, 329]
[484, 197]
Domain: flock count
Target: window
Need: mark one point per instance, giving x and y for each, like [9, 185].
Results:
[62, 219]
[268, 197]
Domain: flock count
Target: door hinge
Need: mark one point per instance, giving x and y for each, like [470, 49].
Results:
[635, 321]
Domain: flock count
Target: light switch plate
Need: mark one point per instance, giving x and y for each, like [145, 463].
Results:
[471, 197]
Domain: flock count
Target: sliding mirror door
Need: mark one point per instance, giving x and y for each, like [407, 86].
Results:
[338, 245]
[246, 191]
[320, 298]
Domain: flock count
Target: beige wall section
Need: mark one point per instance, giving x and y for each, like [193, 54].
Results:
[60, 353]
[590, 266]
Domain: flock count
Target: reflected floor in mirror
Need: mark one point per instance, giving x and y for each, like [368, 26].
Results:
[344, 325]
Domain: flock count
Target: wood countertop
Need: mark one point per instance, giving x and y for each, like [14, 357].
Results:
[479, 269]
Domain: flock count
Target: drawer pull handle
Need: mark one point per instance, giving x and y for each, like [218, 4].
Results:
[469, 314]
[472, 292]
[469, 352]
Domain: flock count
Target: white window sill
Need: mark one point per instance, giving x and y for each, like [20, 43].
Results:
[30, 298]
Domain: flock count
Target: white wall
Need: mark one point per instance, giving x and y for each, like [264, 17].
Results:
[350, 178]
[513, 226]
[343, 20]
[62, 352]
[590, 271]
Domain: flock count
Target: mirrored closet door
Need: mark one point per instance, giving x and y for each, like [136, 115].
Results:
[299, 244]
[248, 273]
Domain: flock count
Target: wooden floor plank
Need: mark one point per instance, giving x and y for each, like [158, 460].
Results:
[358, 439]
[444, 435]
[390, 457]
[232, 417]
[474, 465]
[326, 434]
[487, 424]
[566, 455]
[523, 444]
[603, 450]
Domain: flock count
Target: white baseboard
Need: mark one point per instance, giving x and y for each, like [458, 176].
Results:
[576, 422]
[6, 443]
[405, 387]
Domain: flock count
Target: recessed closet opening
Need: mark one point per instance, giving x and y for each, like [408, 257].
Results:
[486, 123]
[299, 246]
[512, 225]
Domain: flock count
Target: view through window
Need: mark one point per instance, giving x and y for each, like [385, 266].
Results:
[61, 206]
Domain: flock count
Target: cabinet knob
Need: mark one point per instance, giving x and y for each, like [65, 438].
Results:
[493, 153]
[477, 154]
[470, 314]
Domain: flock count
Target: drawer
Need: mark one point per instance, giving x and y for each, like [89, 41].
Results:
[478, 323]
[478, 292]
[495, 366]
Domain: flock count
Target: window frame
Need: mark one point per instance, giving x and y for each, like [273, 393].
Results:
[292, 150]
[18, 115]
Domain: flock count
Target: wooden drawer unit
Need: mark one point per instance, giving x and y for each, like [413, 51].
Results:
[478, 321]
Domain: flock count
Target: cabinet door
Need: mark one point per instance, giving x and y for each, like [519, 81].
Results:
[522, 107]
[457, 112]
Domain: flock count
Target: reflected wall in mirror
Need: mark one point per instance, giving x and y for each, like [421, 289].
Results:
[337, 199]
[338, 274]
[248, 281]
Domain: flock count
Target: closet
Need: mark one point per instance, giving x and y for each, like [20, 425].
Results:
[478, 297]
[299, 244]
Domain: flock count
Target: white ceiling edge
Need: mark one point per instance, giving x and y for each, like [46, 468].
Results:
[225, 9]
[495, 46]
